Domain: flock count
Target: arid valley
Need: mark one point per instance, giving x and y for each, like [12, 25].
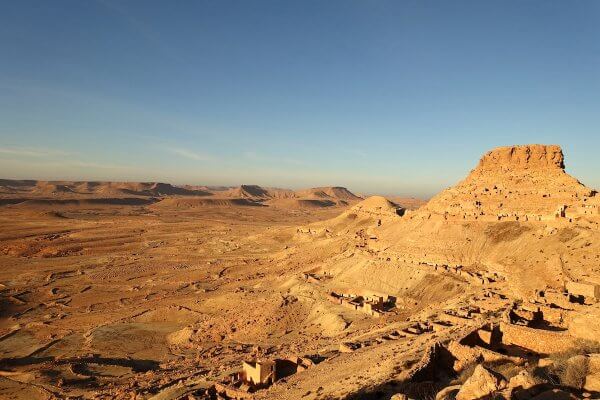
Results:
[490, 290]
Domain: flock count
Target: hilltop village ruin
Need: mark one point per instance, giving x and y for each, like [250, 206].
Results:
[491, 290]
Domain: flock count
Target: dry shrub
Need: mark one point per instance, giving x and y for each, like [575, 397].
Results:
[571, 367]
[423, 390]
[505, 231]
[504, 368]
[567, 234]
[573, 372]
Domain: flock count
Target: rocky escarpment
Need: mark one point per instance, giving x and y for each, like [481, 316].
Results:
[515, 183]
[528, 157]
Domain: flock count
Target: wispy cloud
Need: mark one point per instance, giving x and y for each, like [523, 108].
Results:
[192, 155]
[31, 152]
[257, 157]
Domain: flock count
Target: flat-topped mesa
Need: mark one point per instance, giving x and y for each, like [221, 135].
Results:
[531, 156]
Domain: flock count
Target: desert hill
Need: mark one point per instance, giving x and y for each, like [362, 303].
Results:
[515, 183]
[320, 197]
[247, 192]
[373, 209]
[331, 193]
[517, 213]
[368, 213]
[408, 203]
[377, 206]
[328, 192]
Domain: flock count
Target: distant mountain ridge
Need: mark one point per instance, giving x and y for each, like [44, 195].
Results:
[100, 188]
[326, 196]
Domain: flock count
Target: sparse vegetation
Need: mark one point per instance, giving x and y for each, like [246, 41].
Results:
[571, 367]
[505, 231]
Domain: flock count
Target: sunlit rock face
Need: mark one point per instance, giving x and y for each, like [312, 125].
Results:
[514, 183]
[532, 156]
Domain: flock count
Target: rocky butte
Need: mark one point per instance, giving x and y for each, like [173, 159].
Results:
[515, 183]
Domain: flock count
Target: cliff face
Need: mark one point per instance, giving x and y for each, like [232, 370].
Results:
[534, 156]
[514, 183]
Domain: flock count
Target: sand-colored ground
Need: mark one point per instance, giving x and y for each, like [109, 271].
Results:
[146, 291]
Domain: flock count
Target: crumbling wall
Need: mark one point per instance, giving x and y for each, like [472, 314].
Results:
[536, 340]
[585, 289]
[466, 355]
[435, 361]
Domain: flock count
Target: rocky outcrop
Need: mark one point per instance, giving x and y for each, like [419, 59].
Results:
[517, 183]
[522, 386]
[533, 156]
[592, 380]
[585, 325]
[482, 383]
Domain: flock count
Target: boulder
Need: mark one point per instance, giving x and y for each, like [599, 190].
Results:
[574, 371]
[522, 385]
[592, 380]
[585, 325]
[482, 383]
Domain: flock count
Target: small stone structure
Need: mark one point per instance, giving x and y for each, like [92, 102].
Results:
[418, 329]
[589, 291]
[561, 212]
[370, 303]
[258, 373]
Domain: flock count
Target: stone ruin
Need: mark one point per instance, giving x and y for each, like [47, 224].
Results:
[260, 374]
[525, 340]
[574, 293]
[373, 304]
[516, 183]
[417, 328]
[584, 292]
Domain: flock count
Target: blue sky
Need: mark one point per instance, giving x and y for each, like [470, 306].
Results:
[393, 97]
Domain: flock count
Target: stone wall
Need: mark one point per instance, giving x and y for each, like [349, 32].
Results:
[536, 340]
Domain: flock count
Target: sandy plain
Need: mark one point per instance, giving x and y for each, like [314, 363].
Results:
[113, 290]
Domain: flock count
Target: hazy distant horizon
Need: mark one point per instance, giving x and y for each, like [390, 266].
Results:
[379, 97]
[215, 186]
